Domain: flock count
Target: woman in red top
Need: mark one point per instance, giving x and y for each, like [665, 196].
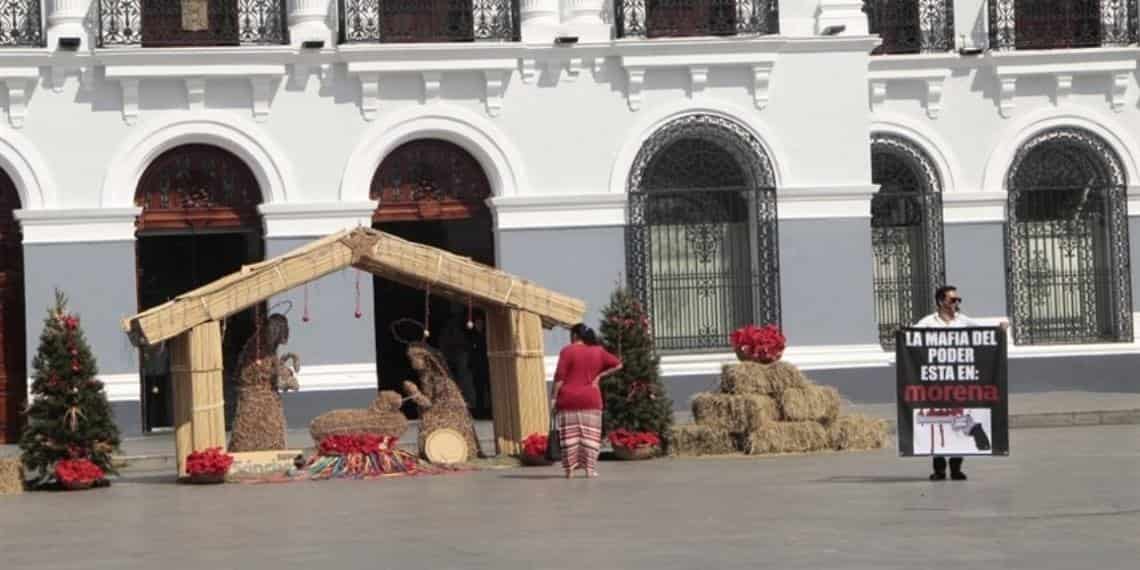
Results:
[581, 365]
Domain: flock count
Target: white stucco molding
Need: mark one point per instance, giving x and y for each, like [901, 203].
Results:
[973, 207]
[824, 201]
[478, 135]
[655, 118]
[126, 387]
[932, 79]
[1020, 130]
[315, 219]
[86, 225]
[29, 172]
[1117, 65]
[561, 211]
[926, 138]
[229, 131]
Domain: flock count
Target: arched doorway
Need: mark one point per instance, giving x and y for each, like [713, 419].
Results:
[434, 192]
[199, 222]
[906, 233]
[13, 371]
[701, 241]
[1067, 257]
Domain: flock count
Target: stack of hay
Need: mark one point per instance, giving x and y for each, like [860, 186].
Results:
[772, 408]
[11, 476]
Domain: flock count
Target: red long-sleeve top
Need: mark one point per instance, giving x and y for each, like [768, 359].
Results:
[578, 365]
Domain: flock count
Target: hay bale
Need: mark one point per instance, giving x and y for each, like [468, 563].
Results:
[11, 476]
[787, 437]
[734, 413]
[693, 439]
[858, 432]
[810, 403]
[757, 378]
[785, 375]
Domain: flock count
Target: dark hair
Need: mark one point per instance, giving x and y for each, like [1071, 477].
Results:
[585, 333]
[940, 293]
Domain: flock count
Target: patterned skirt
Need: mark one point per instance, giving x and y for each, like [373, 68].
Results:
[580, 433]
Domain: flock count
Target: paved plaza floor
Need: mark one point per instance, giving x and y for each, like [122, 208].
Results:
[1067, 498]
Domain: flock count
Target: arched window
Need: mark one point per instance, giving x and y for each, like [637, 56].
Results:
[197, 186]
[906, 233]
[13, 379]
[702, 249]
[1067, 259]
[429, 179]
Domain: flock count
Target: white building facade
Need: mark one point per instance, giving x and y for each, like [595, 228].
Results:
[821, 164]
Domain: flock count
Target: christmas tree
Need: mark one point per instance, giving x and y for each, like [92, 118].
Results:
[70, 417]
[634, 397]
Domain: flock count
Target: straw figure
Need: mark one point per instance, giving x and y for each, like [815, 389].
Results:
[259, 423]
[382, 417]
[439, 399]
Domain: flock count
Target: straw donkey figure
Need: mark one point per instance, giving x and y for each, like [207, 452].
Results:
[439, 399]
[260, 376]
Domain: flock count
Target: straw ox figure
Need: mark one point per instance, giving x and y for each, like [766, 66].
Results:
[261, 376]
[439, 399]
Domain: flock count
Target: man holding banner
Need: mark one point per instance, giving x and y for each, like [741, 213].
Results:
[952, 396]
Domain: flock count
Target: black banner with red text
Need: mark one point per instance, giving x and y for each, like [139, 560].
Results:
[952, 391]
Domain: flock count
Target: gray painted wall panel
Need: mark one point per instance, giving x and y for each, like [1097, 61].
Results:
[826, 284]
[1134, 258]
[99, 281]
[332, 335]
[975, 263]
[584, 262]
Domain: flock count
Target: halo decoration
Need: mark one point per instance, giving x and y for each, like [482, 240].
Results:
[283, 302]
[407, 324]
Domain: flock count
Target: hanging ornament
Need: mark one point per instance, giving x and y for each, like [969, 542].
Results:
[358, 314]
[305, 312]
[470, 320]
[427, 311]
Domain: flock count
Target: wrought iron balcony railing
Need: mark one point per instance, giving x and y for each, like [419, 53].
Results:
[911, 26]
[169, 23]
[1054, 24]
[684, 18]
[20, 23]
[404, 21]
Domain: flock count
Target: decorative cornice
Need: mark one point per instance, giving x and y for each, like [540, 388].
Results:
[1118, 64]
[78, 225]
[564, 211]
[813, 202]
[973, 207]
[696, 66]
[933, 79]
[314, 219]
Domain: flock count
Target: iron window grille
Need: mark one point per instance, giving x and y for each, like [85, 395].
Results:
[911, 26]
[1068, 264]
[158, 23]
[20, 24]
[1054, 24]
[682, 18]
[906, 234]
[404, 21]
[702, 251]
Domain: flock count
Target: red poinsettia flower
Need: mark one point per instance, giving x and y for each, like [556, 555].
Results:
[535, 444]
[212, 461]
[765, 344]
[72, 471]
[634, 440]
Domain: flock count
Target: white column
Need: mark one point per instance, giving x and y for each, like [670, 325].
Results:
[848, 13]
[65, 19]
[585, 19]
[539, 20]
[309, 21]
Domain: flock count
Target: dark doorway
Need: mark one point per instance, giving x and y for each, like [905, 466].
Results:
[169, 265]
[13, 372]
[434, 192]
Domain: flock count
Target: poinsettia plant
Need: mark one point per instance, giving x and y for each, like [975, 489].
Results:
[212, 461]
[764, 344]
[77, 472]
[633, 440]
[349, 444]
[535, 445]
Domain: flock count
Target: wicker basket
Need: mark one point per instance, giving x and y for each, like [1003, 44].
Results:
[635, 453]
[534, 460]
[76, 485]
[206, 478]
[740, 355]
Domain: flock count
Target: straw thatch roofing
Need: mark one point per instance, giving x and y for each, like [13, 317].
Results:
[382, 254]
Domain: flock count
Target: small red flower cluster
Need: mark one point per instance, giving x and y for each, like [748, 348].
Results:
[633, 440]
[535, 444]
[212, 461]
[765, 343]
[355, 443]
[70, 471]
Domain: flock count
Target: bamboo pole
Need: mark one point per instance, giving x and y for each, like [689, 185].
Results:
[183, 402]
[208, 414]
[530, 388]
[518, 381]
[501, 364]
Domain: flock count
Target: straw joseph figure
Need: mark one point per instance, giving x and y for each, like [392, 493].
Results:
[261, 375]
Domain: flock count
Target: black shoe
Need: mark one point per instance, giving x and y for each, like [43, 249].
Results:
[936, 476]
[958, 476]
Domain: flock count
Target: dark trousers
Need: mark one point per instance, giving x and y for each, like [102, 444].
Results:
[955, 465]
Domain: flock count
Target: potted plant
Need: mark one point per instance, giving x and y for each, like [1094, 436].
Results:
[76, 474]
[634, 445]
[758, 344]
[208, 466]
[534, 450]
